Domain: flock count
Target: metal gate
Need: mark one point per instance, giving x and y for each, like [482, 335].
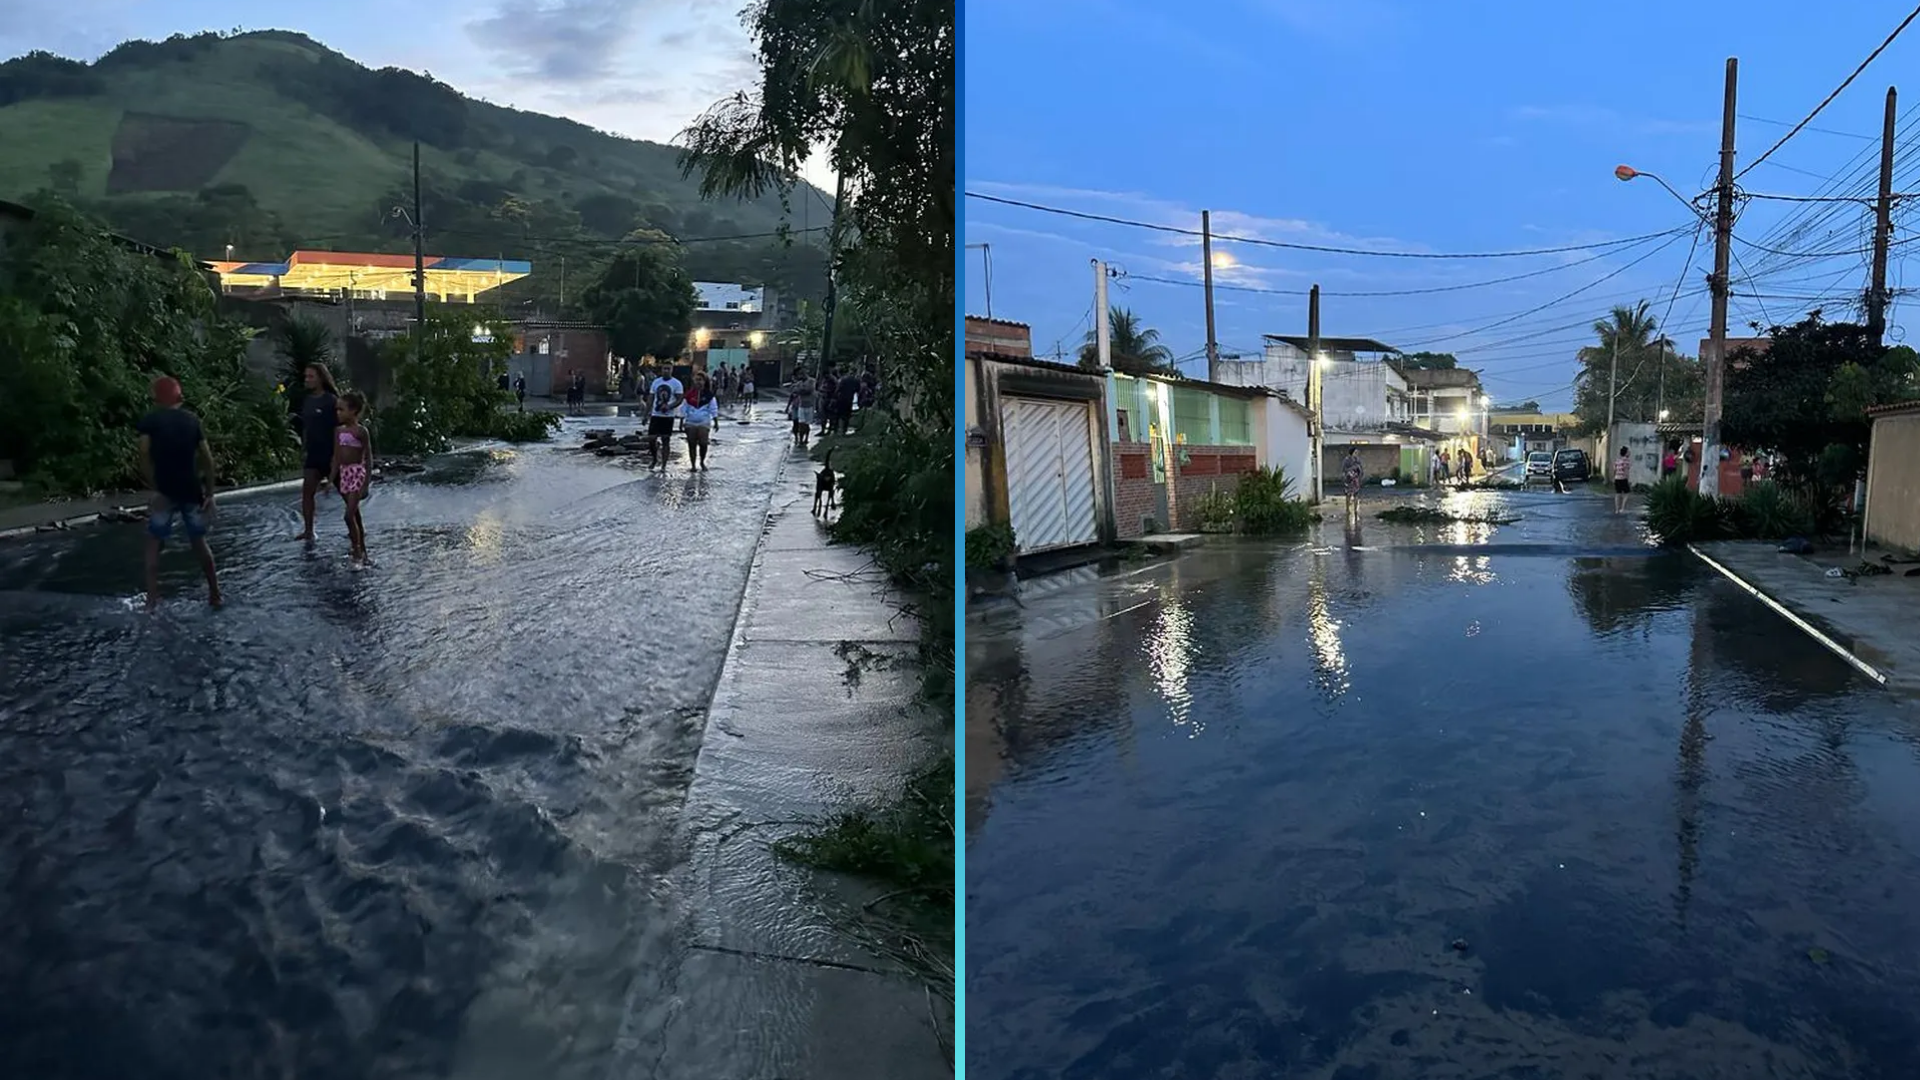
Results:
[1050, 473]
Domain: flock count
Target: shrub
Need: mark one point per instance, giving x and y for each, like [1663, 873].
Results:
[1264, 504]
[444, 387]
[1678, 515]
[1767, 511]
[518, 427]
[988, 546]
[85, 325]
[1215, 512]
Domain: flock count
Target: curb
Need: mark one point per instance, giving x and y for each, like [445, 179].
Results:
[1786, 613]
[61, 524]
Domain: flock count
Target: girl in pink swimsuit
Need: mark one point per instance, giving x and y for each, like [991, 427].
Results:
[352, 456]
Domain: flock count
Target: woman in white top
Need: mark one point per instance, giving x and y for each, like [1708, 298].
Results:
[702, 406]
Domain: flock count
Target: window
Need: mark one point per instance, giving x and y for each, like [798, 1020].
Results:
[1236, 422]
[1192, 416]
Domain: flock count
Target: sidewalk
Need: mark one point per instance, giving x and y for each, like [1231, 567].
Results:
[1867, 621]
[817, 704]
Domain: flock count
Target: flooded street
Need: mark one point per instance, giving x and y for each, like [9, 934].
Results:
[1452, 801]
[416, 821]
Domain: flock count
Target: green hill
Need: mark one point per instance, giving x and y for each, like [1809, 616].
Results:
[268, 141]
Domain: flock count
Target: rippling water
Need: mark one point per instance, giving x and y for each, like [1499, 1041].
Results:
[1228, 818]
[408, 822]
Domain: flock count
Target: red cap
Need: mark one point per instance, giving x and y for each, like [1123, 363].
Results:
[166, 390]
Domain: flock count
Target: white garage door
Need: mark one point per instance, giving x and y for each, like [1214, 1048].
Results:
[1050, 474]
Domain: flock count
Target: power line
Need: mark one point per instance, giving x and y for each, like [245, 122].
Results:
[1809, 127]
[1321, 248]
[1381, 292]
[1844, 83]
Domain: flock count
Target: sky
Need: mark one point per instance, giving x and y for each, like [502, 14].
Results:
[1422, 126]
[640, 68]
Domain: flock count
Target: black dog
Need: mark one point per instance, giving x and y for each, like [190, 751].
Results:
[825, 484]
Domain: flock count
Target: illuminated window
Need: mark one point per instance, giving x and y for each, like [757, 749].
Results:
[1192, 416]
[1236, 422]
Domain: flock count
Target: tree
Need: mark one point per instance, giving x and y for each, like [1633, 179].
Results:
[644, 299]
[1428, 361]
[1133, 349]
[302, 341]
[1650, 376]
[1805, 397]
[65, 176]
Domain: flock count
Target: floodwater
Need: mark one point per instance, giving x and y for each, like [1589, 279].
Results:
[1434, 802]
[416, 821]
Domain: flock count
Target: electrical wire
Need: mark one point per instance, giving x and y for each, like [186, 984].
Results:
[1844, 83]
[1321, 248]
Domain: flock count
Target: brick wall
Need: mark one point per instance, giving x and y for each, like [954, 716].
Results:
[1134, 495]
[1208, 469]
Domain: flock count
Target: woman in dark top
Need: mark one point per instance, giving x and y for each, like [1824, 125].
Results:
[317, 422]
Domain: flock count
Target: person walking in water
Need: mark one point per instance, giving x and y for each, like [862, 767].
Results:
[1355, 473]
[665, 394]
[702, 406]
[177, 465]
[1466, 467]
[1622, 465]
[317, 421]
[352, 464]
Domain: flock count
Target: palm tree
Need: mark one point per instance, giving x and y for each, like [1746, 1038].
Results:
[301, 341]
[1631, 336]
[1133, 349]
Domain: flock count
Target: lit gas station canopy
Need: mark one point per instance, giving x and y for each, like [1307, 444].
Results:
[449, 279]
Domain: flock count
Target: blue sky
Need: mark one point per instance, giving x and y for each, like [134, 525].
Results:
[1423, 125]
[640, 68]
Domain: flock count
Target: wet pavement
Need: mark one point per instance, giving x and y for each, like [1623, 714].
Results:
[418, 821]
[1451, 801]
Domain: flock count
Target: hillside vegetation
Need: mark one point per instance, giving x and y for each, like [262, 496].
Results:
[269, 141]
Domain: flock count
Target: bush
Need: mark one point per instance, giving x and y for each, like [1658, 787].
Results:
[988, 546]
[85, 325]
[445, 387]
[1215, 512]
[1767, 511]
[1678, 515]
[1264, 504]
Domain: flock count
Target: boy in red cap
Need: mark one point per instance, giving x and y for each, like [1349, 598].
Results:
[177, 464]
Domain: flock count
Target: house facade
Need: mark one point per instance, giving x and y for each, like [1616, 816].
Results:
[1177, 441]
[1037, 456]
[1452, 403]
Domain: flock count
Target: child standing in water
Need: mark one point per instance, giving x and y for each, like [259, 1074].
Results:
[352, 459]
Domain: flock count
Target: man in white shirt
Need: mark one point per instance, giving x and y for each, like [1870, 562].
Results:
[665, 396]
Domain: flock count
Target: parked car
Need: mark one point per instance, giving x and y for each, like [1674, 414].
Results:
[1570, 466]
[1539, 465]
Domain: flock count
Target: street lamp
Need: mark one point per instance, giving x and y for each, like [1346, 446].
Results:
[1663, 416]
[1624, 173]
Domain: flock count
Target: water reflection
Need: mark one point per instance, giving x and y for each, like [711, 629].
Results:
[1643, 839]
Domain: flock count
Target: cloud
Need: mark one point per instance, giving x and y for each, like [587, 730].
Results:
[1601, 117]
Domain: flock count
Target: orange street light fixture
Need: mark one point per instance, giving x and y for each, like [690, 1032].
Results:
[1624, 173]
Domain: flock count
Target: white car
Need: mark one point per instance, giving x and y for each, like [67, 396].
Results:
[1540, 464]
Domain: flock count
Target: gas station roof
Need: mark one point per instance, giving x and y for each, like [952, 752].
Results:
[328, 271]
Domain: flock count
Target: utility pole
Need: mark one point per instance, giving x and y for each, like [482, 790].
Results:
[1660, 396]
[1716, 373]
[419, 257]
[986, 258]
[1314, 388]
[1882, 228]
[1102, 326]
[833, 242]
[1206, 259]
[1613, 384]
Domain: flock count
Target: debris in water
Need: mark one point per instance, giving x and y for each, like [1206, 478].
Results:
[1459, 944]
[1818, 956]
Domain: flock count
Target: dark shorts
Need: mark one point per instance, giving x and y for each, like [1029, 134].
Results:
[1621, 487]
[320, 462]
[659, 427]
[162, 511]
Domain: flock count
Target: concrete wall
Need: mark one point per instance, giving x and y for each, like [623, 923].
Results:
[1893, 482]
[1644, 446]
[1135, 496]
[975, 464]
[1281, 439]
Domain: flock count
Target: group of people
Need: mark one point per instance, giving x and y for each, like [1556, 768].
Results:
[694, 406]
[177, 464]
[830, 400]
[1446, 468]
